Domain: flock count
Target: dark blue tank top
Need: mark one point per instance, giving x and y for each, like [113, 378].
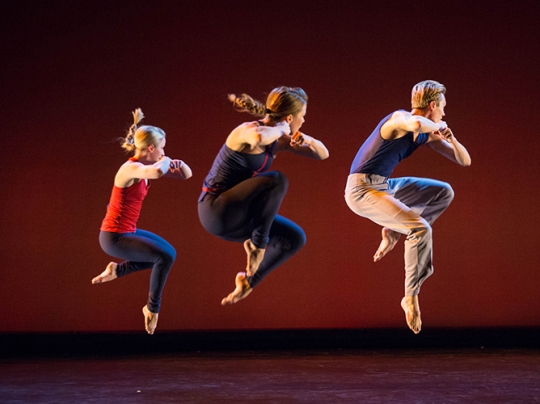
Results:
[380, 156]
[231, 168]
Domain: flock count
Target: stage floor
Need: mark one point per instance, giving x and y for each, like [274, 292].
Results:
[281, 377]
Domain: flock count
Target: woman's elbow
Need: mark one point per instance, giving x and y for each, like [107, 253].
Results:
[160, 172]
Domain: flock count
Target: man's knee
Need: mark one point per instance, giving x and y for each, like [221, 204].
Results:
[447, 193]
[422, 232]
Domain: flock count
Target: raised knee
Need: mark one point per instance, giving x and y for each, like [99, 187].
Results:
[169, 256]
[447, 193]
[281, 180]
[300, 240]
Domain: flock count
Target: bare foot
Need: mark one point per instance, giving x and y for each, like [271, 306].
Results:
[242, 290]
[150, 320]
[108, 275]
[254, 257]
[389, 240]
[411, 307]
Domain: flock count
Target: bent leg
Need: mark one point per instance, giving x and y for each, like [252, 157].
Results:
[286, 239]
[389, 212]
[142, 250]
[246, 210]
[427, 197]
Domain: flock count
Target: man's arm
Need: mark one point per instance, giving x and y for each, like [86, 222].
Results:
[403, 122]
[444, 142]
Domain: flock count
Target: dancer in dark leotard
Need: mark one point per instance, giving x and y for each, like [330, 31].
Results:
[406, 205]
[240, 199]
[119, 236]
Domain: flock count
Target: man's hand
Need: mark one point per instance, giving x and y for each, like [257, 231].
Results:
[445, 134]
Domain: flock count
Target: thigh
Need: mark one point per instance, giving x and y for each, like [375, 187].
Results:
[155, 238]
[246, 192]
[415, 192]
[230, 214]
[132, 246]
[384, 209]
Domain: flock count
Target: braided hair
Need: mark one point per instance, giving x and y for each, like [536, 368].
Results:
[281, 101]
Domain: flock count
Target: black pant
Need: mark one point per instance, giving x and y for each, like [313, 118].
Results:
[141, 250]
[249, 210]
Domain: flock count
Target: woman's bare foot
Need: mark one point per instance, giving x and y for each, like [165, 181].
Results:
[150, 320]
[389, 240]
[108, 275]
[411, 307]
[254, 257]
[242, 290]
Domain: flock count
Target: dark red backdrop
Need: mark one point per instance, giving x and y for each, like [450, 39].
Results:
[72, 74]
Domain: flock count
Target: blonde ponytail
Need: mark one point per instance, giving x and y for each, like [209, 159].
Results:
[128, 143]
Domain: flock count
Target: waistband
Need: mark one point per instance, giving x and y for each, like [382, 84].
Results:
[370, 179]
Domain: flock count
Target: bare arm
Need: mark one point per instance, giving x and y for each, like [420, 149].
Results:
[131, 170]
[403, 122]
[252, 135]
[444, 142]
[179, 169]
[303, 145]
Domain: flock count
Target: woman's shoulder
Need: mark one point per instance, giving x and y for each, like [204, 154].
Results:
[236, 138]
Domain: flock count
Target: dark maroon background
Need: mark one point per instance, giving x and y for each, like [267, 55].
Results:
[72, 73]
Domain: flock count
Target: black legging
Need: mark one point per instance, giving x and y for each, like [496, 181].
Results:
[141, 250]
[249, 210]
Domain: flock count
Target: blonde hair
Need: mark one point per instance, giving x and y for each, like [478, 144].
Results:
[425, 92]
[281, 101]
[140, 137]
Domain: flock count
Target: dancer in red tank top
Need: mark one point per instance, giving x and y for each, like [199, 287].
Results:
[119, 236]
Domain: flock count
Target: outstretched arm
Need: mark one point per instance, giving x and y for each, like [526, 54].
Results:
[303, 145]
[444, 142]
[179, 169]
[252, 135]
[131, 170]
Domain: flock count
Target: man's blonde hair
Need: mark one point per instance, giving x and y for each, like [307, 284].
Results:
[425, 92]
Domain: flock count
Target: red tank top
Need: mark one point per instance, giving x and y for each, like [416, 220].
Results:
[124, 208]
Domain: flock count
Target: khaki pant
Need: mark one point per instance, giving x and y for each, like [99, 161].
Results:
[408, 206]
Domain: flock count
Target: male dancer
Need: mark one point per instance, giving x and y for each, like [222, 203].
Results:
[406, 205]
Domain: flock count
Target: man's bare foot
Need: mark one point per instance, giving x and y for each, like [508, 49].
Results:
[108, 275]
[254, 257]
[389, 240]
[411, 307]
[150, 320]
[242, 290]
